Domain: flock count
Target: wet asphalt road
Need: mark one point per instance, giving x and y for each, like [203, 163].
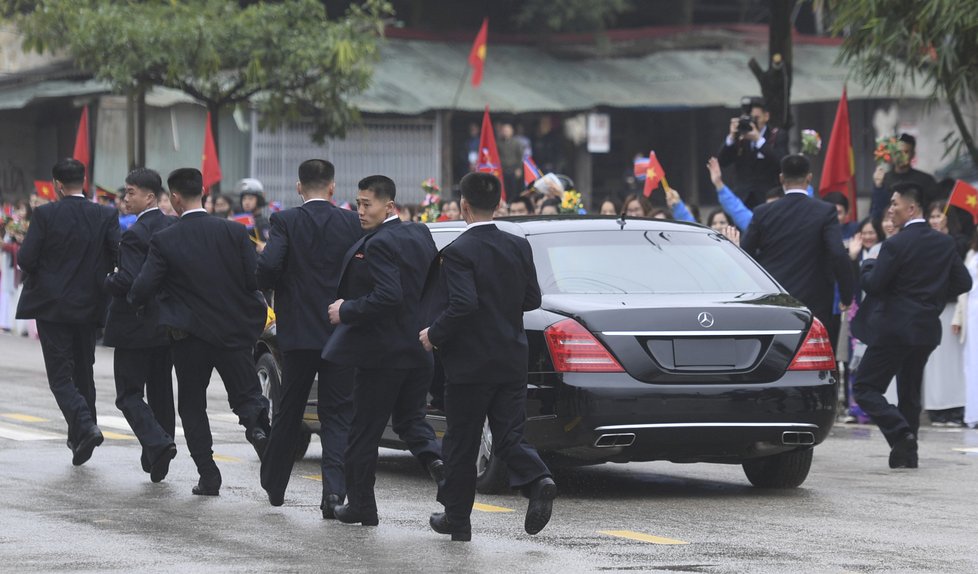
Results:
[852, 515]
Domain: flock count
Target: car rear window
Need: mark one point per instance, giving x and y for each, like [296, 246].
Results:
[644, 262]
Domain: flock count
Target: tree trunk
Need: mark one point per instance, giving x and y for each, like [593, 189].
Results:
[775, 82]
[966, 137]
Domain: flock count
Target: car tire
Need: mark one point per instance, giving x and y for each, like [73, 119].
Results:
[491, 473]
[270, 380]
[785, 470]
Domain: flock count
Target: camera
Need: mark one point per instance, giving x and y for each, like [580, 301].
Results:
[746, 123]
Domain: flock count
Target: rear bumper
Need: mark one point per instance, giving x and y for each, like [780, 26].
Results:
[614, 418]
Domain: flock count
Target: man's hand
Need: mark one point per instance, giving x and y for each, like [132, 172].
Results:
[334, 312]
[754, 134]
[423, 337]
[716, 175]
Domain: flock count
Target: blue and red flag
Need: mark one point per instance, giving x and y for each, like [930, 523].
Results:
[531, 172]
[246, 219]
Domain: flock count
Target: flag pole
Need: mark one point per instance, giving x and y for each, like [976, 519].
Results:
[461, 84]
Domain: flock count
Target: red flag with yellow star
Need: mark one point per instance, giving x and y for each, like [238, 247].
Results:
[45, 190]
[653, 175]
[210, 168]
[477, 57]
[489, 154]
[965, 197]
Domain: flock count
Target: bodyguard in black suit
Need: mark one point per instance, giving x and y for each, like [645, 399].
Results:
[906, 287]
[70, 247]
[378, 316]
[203, 267]
[142, 349]
[490, 280]
[797, 239]
[301, 262]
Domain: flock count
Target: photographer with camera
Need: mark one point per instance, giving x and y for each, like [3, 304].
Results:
[756, 151]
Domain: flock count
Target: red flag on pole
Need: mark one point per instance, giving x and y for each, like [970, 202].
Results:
[965, 197]
[839, 169]
[488, 154]
[653, 175]
[477, 57]
[531, 172]
[45, 190]
[210, 167]
[82, 152]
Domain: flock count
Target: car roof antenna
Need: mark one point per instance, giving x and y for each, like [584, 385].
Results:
[621, 221]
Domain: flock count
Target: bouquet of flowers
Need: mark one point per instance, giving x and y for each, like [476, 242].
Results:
[430, 212]
[17, 228]
[811, 142]
[570, 202]
[887, 150]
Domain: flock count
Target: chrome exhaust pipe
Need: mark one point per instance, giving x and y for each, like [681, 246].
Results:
[612, 440]
[795, 438]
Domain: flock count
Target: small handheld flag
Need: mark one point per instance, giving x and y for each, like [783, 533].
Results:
[965, 197]
[246, 219]
[653, 175]
[45, 190]
[531, 172]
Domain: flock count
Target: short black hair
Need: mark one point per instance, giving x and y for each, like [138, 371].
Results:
[526, 201]
[909, 140]
[773, 193]
[382, 186]
[69, 171]
[758, 102]
[795, 167]
[147, 179]
[481, 191]
[316, 173]
[909, 191]
[837, 198]
[186, 181]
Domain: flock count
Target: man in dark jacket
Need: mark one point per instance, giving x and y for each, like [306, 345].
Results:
[755, 152]
[70, 246]
[490, 280]
[203, 267]
[906, 287]
[797, 239]
[378, 316]
[301, 262]
[142, 349]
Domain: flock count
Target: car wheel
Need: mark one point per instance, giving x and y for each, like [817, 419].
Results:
[491, 476]
[785, 470]
[303, 445]
[270, 380]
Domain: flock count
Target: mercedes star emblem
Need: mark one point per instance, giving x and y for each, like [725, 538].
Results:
[705, 320]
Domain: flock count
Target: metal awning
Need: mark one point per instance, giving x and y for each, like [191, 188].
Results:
[22, 95]
[414, 76]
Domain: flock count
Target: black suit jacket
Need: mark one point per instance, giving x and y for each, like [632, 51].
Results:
[124, 328]
[907, 286]
[70, 246]
[381, 316]
[757, 169]
[204, 268]
[797, 239]
[302, 263]
[490, 280]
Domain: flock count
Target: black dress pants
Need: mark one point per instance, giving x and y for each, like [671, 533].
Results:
[69, 358]
[878, 367]
[194, 359]
[466, 409]
[398, 395]
[335, 409]
[151, 369]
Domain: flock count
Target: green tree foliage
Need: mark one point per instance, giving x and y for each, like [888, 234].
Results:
[932, 42]
[569, 15]
[286, 57]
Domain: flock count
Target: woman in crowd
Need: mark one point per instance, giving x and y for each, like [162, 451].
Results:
[223, 207]
[450, 210]
[610, 206]
[12, 232]
[868, 237]
[636, 205]
[718, 220]
[943, 393]
[965, 325]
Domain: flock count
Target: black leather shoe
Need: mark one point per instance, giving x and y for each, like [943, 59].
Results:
[144, 463]
[161, 467]
[276, 499]
[208, 485]
[904, 453]
[542, 495]
[440, 524]
[86, 445]
[329, 504]
[258, 439]
[347, 515]
[436, 470]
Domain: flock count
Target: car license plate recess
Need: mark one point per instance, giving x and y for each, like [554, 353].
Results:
[704, 352]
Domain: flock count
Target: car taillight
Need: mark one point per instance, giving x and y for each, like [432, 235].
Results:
[575, 350]
[816, 353]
